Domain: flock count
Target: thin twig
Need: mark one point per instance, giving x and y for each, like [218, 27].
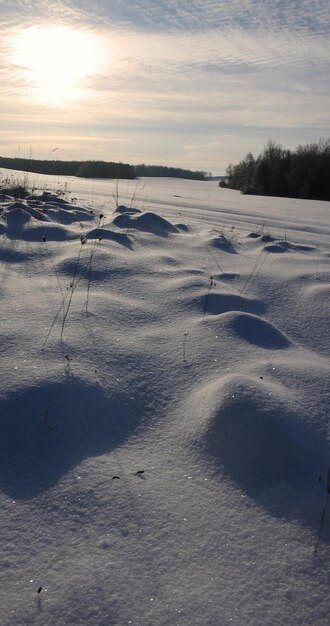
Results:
[73, 286]
[55, 271]
[255, 271]
[207, 296]
[185, 335]
[324, 510]
[215, 260]
[90, 264]
[89, 269]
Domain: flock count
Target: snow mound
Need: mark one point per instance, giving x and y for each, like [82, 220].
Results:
[287, 246]
[106, 233]
[25, 225]
[253, 235]
[267, 238]
[127, 210]
[51, 232]
[183, 227]
[38, 217]
[255, 433]
[221, 242]
[315, 302]
[48, 196]
[17, 215]
[13, 192]
[227, 276]
[276, 245]
[218, 303]
[148, 222]
[68, 215]
[320, 291]
[46, 430]
[32, 219]
[256, 330]
[276, 248]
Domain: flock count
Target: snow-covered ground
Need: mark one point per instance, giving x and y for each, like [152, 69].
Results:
[164, 424]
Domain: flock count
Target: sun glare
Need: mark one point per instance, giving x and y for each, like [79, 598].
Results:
[57, 61]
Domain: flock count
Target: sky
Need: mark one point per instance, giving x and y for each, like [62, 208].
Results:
[194, 84]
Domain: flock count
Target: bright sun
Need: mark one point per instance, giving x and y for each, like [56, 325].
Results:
[57, 61]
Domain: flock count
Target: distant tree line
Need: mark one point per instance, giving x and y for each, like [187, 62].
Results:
[86, 169]
[303, 173]
[96, 169]
[170, 172]
[103, 169]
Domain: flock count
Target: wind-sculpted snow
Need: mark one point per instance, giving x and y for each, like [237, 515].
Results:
[125, 210]
[47, 429]
[285, 246]
[164, 422]
[222, 302]
[255, 330]
[256, 433]
[46, 215]
[106, 233]
[221, 242]
[148, 222]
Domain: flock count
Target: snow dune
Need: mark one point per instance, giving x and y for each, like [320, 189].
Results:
[164, 424]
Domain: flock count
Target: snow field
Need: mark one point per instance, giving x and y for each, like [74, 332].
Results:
[184, 336]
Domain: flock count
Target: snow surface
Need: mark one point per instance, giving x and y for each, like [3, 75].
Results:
[164, 425]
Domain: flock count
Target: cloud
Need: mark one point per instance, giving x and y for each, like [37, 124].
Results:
[192, 78]
[188, 15]
[232, 47]
[167, 15]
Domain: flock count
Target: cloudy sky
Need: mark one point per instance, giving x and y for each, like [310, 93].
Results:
[190, 83]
